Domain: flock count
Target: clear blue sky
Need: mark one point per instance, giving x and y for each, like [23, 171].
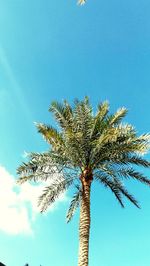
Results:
[58, 50]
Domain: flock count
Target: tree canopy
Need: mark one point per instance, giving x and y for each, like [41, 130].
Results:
[84, 140]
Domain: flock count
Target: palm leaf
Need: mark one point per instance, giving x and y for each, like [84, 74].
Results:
[52, 192]
[117, 188]
[51, 135]
[131, 173]
[74, 204]
[107, 182]
[103, 109]
[81, 2]
[132, 159]
[118, 116]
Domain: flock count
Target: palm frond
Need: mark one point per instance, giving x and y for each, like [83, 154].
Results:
[128, 159]
[118, 116]
[52, 192]
[41, 166]
[51, 135]
[59, 113]
[117, 188]
[108, 183]
[68, 113]
[142, 143]
[115, 150]
[103, 109]
[131, 173]
[74, 204]
[81, 2]
[120, 134]
[130, 197]
[82, 127]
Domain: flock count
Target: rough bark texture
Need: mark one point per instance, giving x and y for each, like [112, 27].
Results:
[84, 225]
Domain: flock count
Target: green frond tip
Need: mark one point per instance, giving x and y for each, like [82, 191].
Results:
[86, 98]
[62, 113]
[103, 109]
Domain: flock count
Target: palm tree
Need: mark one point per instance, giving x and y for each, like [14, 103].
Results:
[86, 147]
[81, 2]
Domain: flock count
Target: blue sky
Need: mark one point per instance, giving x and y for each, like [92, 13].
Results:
[58, 50]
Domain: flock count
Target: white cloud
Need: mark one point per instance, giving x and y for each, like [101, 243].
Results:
[18, 204]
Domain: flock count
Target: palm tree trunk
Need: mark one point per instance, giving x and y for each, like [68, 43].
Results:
[84, 225]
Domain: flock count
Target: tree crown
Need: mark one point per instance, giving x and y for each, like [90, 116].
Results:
[86, 144]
